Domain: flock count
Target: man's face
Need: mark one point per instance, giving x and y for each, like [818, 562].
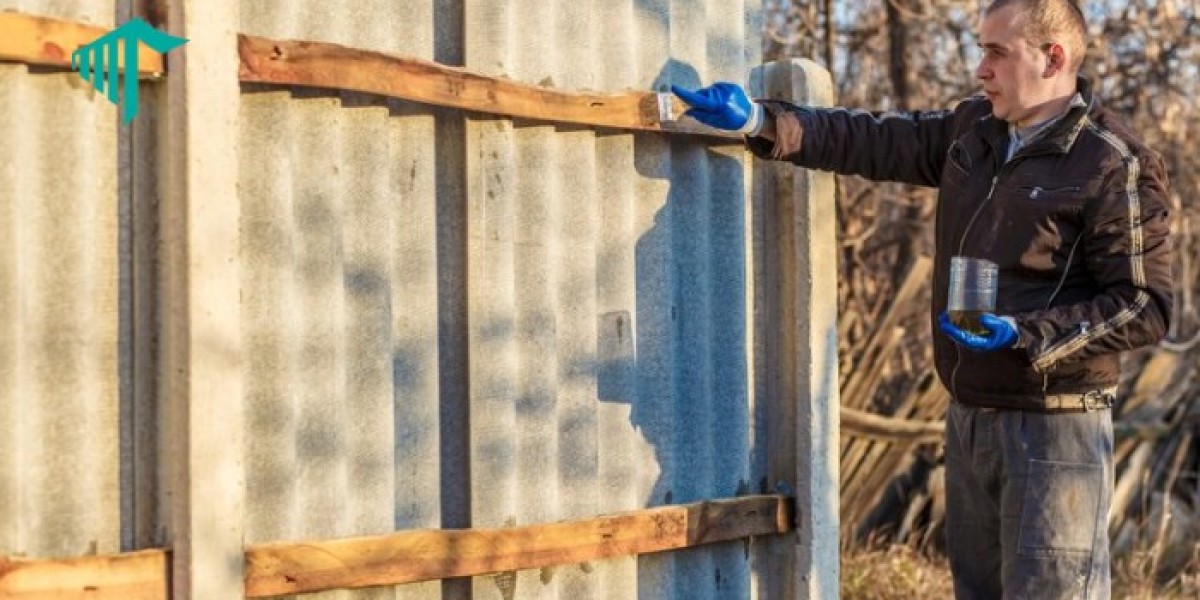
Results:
[1011, 70]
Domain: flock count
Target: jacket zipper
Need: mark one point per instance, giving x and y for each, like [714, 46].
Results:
[1036, 191]
[961, 242]
[992, 191]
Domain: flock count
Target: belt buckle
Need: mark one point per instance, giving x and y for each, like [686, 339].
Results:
[1097, 400]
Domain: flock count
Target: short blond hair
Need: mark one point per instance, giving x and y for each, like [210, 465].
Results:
[1058, 21]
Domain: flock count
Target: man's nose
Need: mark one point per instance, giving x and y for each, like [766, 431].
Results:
[982, 72]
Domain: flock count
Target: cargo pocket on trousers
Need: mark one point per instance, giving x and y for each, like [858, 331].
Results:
[1059, 511]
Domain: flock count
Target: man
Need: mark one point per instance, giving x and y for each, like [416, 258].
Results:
[1036, 176]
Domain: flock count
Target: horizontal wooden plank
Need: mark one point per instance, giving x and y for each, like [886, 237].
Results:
[409, 556]
[50, 42]
[324, 65]
[132, 576]
[406, 557]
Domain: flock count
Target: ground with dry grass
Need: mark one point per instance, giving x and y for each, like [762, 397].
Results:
[900, 573]
[894, 573]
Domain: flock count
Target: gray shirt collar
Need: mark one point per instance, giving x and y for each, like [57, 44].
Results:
[1019, 138]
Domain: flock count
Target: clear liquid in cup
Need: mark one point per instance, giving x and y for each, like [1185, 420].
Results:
[973, 283]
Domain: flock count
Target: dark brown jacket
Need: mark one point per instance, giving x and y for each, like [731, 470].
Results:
[1077, 222]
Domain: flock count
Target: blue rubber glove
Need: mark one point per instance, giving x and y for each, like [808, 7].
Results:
[723, 106]
[1003, 333]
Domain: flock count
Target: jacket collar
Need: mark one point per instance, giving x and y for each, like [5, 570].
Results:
[1060, 137]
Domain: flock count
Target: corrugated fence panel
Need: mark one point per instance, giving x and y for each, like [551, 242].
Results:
[59, 355]
[666, 292]
[450, 320]
[628, 466]
[340, 196]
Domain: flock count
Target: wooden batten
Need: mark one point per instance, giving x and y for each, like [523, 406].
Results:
[325, 65]
[411, 556]
[133, 576]
[50, 42]
[284, 568]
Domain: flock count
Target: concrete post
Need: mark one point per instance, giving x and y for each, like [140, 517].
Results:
[800, 296]
[201, 325]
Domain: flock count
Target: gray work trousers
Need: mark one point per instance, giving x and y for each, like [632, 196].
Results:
[1027, 502]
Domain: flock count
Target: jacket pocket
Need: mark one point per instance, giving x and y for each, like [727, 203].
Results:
[1037, 192]
[1060, 510]
[958, 158]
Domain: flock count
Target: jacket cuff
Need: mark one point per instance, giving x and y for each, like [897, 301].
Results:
[1034, 341]
[1020, 343]
[756, 121]
[770, 109]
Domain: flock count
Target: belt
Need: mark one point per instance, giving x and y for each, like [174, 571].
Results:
[1082, 402]
[1101, 399]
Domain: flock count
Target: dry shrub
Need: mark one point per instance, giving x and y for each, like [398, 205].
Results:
[893, 573]
[898, 572]
[1137, 577]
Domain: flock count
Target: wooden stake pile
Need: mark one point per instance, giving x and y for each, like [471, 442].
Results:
[892, 424]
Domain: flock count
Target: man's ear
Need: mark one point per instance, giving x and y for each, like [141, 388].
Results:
[1056, 59]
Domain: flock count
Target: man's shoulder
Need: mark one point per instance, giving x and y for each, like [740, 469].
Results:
[1113, 131]
[969, 111]
[973, 108]
[1109, 144]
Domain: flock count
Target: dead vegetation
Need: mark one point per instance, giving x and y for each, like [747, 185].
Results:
[902, 54]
